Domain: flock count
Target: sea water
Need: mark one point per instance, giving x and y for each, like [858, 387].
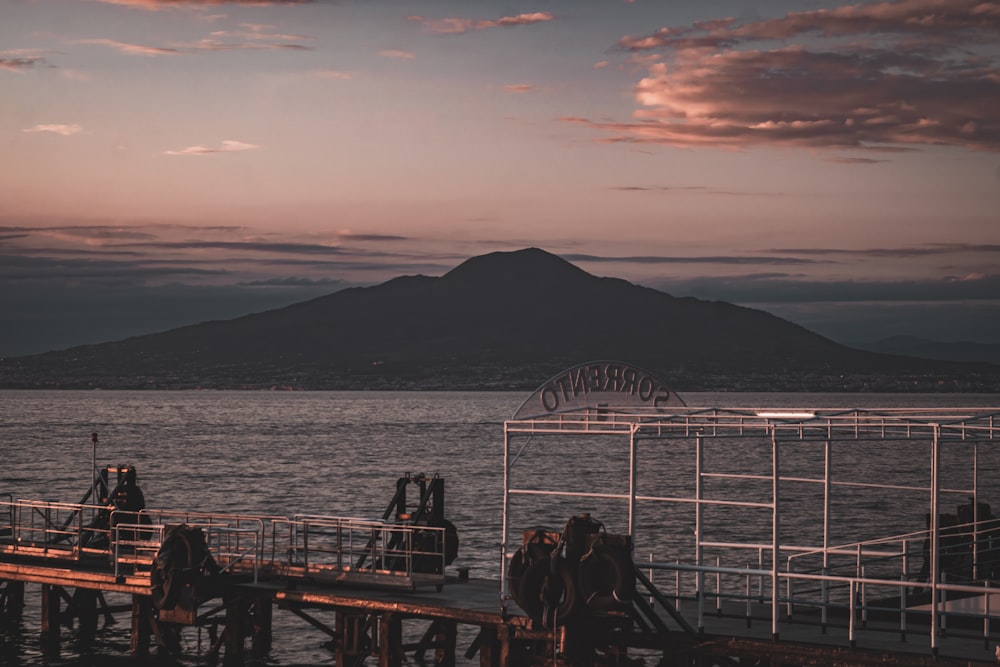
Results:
[286, 453]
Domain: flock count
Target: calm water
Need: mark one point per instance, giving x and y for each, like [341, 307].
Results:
[285, 453]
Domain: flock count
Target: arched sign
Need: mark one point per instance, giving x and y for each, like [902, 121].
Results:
[598, 384]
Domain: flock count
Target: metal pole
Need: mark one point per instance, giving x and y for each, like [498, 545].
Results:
[633, 472]
[698, 550]
[93, 468]
[506, 508]
[934, 527]
[775, 527]
[827, 473]
[975, 510]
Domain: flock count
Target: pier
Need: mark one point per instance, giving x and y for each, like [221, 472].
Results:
[704, 536]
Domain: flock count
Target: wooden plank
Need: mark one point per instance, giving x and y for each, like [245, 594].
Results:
[73, 577]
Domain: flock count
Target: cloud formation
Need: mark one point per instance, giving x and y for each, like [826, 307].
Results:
[457, 26]
[884, 76]
[64, 130]
[520, 88]
[17, 64]
[922, 250]
[131, 49]
[227, 146]
[154, 5]
[697, 259]
[397, 54]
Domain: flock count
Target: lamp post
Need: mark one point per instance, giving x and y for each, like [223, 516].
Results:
[93, 467]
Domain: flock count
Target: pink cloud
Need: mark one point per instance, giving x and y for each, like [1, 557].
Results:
[397, 54]
[154, 5]
[454, 26]
[227, 146]
[520, 88]
[893, 75]
[953, 21]
[131, 49]
[56, 128]
[17, 64]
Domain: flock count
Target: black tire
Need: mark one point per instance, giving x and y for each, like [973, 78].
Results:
[559, 594]
[607, 578]
[528, 592]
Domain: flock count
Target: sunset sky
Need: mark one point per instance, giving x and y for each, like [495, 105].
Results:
[165, 162]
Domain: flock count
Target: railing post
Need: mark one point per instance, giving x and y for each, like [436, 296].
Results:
[718, 587]
[749, 606]
[986, 616]
[852, 588]
[699, 551]
[824, 597]
[775, 532]
[677, 585]
[827, 487]
[902, 609]
[934, 536]
[790, 589]
[305, 544]
[862, 594]
[943, 615]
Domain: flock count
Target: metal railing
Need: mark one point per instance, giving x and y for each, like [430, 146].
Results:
[865, 585]
[248, 544]
[135, 547]
[770, 486]
[376, 548]
[57, 529]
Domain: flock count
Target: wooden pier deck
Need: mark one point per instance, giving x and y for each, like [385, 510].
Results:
[369, 622]
[765, 564]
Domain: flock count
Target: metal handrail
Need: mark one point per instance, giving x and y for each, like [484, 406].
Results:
[136, 544]
[856, 603]
[347, 544]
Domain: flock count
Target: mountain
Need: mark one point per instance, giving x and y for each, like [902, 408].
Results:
[502, 320]
[913, 346]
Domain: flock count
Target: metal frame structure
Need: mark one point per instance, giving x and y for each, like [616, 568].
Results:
[825, 575]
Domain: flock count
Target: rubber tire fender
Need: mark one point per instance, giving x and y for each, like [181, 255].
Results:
[559, 594]
[606, 577]
[167, 578]
[527, 587]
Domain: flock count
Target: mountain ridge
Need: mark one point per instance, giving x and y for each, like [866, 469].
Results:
[501, 320]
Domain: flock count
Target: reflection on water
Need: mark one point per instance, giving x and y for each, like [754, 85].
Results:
[340, 453]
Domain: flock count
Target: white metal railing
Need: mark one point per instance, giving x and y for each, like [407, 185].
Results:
[384, 548]
[806, 422]
[719, 470]
[850, 587]
[135, 547]
[244, 543]
[59, 529]
[236, 546]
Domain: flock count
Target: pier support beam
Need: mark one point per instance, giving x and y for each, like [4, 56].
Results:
[85, 606]
[12, 600]
[390, 641]
[234, 635]
[487, 645]
[50, 619]
[442, 636]
[352, 638]
[142, 625]
[260, 628]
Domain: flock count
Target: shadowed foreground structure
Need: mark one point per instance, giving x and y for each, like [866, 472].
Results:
[788, 561]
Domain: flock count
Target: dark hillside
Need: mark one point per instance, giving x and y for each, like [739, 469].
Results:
[498, 320]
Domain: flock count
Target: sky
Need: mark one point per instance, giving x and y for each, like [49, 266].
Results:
[166, 162]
